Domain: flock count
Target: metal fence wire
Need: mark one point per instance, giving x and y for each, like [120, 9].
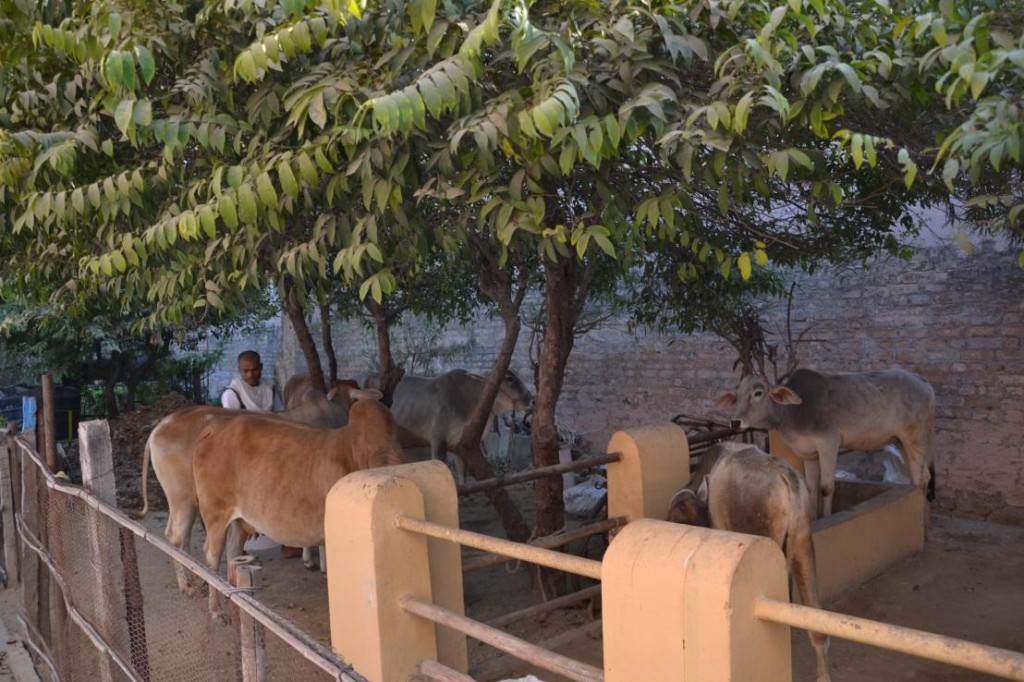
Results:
[100, 599]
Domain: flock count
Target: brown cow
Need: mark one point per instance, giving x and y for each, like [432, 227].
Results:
[274, 476]
[171, 444]
[299, 389]
[743, 489]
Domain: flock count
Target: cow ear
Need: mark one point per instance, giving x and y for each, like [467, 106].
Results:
[725, 401]
[702, 491]
[784, 395]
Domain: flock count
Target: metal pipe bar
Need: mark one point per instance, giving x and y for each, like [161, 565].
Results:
[980, 657]
[710, 436]
[544, 607]
[548, 542]
[531, 653]
[523, 476]
[516, 550]
[432, 670]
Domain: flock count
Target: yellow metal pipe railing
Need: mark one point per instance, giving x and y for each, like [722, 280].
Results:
[979, 657]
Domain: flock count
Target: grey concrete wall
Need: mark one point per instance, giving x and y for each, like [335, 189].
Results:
[955, 318]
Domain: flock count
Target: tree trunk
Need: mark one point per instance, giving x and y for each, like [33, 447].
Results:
[559, 295]
[390, 374]
[328, 342]
[298, 319]
[110, 395]
[468, 447]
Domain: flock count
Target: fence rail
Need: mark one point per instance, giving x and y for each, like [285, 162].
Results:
[523, 650]
[958, 652]
[536, 555]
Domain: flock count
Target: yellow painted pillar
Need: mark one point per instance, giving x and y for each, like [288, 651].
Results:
[371, 565]
[679, 606]
[654, 464]
[441, 505]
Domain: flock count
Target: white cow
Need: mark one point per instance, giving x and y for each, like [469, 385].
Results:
[817, 413]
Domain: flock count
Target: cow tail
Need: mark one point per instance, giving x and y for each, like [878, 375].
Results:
[145, 476]
[931, 482]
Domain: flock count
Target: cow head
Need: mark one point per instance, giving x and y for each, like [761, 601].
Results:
[513, 394]
[690, 507]
[753, 402]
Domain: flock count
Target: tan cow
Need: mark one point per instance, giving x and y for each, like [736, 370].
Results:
[274, 476]
[743, 489]
[299, 389]
[171, 444]
[817, 413]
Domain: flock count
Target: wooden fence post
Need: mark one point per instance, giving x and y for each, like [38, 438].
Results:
[679, 606]
[116, 622]
[243, 573]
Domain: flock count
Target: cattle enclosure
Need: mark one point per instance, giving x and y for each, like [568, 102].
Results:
[162, 589]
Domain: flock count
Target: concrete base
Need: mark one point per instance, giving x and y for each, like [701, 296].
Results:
[877, 525]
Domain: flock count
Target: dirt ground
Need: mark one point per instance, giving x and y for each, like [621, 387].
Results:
[968, 583]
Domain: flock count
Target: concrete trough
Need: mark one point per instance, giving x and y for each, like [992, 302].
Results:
[874, 525]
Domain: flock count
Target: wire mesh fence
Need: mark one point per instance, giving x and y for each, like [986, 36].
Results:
[101, 602]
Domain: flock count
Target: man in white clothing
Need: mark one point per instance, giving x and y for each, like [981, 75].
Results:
[246, 391]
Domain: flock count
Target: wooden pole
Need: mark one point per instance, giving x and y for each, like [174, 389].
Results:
[545, 607]
[548, 542]
[522, 477]
[531, 653]
[49, 424]
[104, 540]
[243, 573]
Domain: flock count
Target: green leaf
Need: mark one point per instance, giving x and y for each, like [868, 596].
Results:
[114, 69]
[146, 64]
[123, 114]
[128, 70]
[247, 205]
[605, 244]
[288, 182]
[265, 188]
[228, 212]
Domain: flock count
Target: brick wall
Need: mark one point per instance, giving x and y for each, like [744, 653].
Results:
[952, 317]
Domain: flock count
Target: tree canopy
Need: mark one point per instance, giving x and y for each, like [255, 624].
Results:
[180, 158]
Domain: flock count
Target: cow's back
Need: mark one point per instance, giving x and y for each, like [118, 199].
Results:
[858, 402]
[752, 492]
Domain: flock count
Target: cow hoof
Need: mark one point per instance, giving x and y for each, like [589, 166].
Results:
[221, 617]
[193, 591]
[310, 565]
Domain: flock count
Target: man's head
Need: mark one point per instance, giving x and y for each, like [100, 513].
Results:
[250, 368]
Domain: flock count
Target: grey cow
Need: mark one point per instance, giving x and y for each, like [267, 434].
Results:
[816, 413]
[745, 490]
[437, 409]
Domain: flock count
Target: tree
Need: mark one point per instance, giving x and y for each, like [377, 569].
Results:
[191, 156]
